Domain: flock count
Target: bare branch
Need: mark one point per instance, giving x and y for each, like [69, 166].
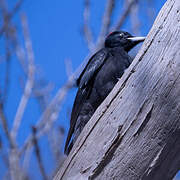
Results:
[124, 15]
[38, 154]
[69, 69]
[30, 80]
[27, 158]
[7, 74]
[16, 172]
[16, 7]
[5, 125]
[106, 22]
[55, 137]
[8, 15]
[20, 53]
[86, 28]
[135, 23]
[9, 30]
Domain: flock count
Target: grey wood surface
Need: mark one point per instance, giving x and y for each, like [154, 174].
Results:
[135, 133]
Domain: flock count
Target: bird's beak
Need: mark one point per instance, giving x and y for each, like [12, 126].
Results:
[136, 39]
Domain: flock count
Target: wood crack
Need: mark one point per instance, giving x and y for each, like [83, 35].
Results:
[145, 121]
[108, 155]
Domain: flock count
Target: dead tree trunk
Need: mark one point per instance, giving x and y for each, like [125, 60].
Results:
[135, 133]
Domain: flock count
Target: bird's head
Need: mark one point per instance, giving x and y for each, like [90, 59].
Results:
[122, 39]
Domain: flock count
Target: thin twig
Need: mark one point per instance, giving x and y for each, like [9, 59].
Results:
[55, 139]
[124, 15]
[6, 84]
[30, 80]
[38, 154]
[9, 15]
[16, 172]
[86, 28]
[69, 69]
[106, 22]
[20, 53]
[5, 126]
[16, 7]
[135, 23]
[7, 73]
[27, 158]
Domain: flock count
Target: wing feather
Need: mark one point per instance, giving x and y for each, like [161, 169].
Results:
[95, 63]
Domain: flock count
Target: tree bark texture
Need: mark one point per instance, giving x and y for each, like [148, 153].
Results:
[135, 133]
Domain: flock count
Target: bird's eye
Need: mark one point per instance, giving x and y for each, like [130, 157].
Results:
[121, 35]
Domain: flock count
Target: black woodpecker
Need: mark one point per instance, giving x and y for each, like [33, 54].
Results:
[98, 78]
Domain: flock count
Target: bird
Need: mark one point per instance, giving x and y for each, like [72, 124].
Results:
[98, 78]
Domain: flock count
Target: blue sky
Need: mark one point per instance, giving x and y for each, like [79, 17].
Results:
[55, 29]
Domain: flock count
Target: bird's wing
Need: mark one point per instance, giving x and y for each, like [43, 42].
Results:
[78, 103]
[85, 85]
[95, 63]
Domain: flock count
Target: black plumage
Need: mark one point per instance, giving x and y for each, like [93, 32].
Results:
[98, 78]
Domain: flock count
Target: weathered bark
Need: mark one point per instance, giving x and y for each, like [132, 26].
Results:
[135, 133]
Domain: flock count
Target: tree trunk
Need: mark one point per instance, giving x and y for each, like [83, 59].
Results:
[135, 133]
